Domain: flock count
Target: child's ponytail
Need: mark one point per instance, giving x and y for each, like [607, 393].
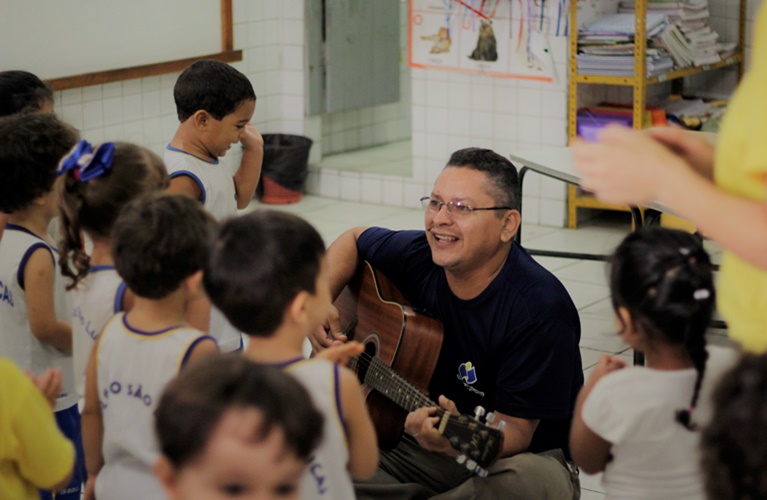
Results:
[71, 245]
[93, 186]
[697, 280]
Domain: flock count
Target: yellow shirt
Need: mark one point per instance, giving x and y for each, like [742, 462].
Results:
[33, 452]
[740, 168]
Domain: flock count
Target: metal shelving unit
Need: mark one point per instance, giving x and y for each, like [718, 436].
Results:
[639, 81]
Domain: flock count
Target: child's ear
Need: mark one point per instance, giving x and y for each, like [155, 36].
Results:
[297, 308]
[41, 200]
[193, 285]
[625, 325]
[201, 118]
[166, 474]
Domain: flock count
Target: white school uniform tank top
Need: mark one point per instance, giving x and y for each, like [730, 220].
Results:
[97, 298]
[327, 475]
[133, 368]
[219, 198]
[17, 341]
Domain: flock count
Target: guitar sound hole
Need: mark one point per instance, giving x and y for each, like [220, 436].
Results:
[367, 357]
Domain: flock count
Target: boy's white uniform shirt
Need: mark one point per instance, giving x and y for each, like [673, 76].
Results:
[96, 298]
[327, 475]
[17, 342]
[219, 198]
[133, 368]
[654, 456]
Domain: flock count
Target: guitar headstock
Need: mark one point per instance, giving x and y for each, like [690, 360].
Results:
[479, 442]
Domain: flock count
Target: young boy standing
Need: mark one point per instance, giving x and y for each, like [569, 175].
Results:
[33, 305]
[160, 244]
[268, 275]
[215, 104]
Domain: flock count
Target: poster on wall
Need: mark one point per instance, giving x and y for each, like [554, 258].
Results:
[502, 38]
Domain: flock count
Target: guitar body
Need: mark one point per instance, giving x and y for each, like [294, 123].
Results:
[376, 314]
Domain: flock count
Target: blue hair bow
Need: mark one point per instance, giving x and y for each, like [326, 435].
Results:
[86, 163]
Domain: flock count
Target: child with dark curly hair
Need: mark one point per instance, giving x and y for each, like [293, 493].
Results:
[35, 332]
[735, 442]
[94, 184]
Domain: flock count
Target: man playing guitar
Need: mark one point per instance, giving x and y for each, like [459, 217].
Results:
[510, 345]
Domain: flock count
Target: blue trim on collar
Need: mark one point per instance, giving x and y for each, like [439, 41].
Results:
[104, 267]
[171, 148]
[142, 332]
[16, 227]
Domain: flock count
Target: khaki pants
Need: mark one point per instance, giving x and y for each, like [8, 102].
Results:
[409, 472]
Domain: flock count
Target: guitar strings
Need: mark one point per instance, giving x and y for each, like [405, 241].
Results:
[392, 379]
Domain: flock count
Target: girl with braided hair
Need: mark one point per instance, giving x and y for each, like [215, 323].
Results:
[634, 423]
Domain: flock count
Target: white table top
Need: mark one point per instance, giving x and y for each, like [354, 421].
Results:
[557, 162]
[553, 161]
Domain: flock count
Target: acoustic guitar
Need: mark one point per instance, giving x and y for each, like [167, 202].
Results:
[401, 351]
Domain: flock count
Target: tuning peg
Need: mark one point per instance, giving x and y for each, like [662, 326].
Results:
[460, 458]
[478, 412]
[471, 465]
[490, 418]
[501, 425]
[481, 472]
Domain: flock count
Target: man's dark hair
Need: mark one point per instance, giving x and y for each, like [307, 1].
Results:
[22, 91]
[159, 241]
[193, 403]
[259, 263]
[31, 146]
[503, 177]
[213, 86]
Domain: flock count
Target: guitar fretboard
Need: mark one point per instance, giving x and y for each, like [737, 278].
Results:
[382, 378]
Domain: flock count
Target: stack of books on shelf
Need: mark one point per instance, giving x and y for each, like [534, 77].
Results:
[688, 36]
[606, 46]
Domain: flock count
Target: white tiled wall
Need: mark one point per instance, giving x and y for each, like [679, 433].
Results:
[271, 36]
[447, 111]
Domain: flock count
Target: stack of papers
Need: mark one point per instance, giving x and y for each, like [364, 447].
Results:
[623, 65]
[606, 46]
[688, 36]
[619, 27]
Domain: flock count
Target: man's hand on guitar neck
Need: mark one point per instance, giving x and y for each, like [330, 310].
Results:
[328, 334]
[422, 425]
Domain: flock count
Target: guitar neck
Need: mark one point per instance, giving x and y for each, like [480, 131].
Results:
[382, 378]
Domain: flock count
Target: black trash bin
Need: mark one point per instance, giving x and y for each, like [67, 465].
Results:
[284, 169]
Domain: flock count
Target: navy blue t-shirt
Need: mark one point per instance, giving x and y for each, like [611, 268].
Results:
[513, 348]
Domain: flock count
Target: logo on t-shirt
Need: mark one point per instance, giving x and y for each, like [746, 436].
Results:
[467, 373]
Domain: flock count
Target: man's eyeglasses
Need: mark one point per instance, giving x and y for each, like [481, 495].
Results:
[454, 208]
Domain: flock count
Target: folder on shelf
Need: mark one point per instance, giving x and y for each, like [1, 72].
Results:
[591, 120]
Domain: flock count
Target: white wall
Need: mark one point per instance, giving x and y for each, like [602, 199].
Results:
[270, 35]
